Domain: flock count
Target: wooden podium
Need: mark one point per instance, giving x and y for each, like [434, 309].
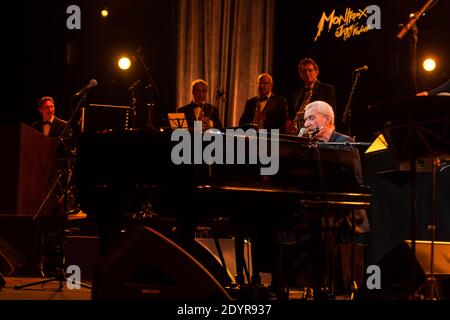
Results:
[27, 169]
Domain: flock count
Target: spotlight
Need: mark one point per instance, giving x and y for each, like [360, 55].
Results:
[429, 64]
[104, 13]
[124, 63]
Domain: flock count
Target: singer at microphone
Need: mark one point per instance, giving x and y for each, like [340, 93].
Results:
[319, 120]
[86, 88]
[320, 114]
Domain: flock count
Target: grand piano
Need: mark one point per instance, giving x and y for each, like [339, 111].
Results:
[117, 172]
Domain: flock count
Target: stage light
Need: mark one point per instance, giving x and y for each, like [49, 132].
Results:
[429, 64]
[104, 13]
[124, 63]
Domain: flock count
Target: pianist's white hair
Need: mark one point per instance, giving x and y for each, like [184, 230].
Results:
[323, 108]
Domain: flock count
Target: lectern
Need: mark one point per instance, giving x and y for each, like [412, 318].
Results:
[26, 169]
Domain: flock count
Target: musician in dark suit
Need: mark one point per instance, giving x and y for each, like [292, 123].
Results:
[49, 125]
[199, 110]
[266, 110]
[313, 90]
[53, 213]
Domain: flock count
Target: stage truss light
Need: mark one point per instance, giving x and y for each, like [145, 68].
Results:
[429, 64]
[124, 63]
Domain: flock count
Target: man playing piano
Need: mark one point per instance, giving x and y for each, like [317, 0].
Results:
[319, 125]
[319, 120]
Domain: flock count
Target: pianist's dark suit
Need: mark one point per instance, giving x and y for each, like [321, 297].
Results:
[362, 222]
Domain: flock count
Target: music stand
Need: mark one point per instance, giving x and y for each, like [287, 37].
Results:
[105, 117]
[417, 127]
[177, 120]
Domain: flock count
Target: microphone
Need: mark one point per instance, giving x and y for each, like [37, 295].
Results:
[302, 132]
[363, 68]
[309, 133]
[92, 83]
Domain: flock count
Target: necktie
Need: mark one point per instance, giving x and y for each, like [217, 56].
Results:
[306, 98]
[198, 112]
[260, 116]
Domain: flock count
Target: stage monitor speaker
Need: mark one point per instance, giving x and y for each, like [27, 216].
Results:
[10, 259]
[396, 269]
[148, 265]
[227, 247]
[23, 236]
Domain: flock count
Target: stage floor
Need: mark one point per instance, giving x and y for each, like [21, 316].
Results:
[48, 291]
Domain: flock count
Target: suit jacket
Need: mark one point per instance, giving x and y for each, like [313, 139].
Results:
[321, 91]
[56, 128]
[276, 112]
[208, 110]
[361, 220]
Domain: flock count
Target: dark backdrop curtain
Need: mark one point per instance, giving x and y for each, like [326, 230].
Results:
[227, 43]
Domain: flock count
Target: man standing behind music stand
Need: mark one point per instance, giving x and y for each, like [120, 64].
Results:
[199, 110]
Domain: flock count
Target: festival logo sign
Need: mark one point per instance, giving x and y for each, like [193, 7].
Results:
[351, 23]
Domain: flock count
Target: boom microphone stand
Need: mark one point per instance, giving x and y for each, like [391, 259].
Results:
[151, 86]
[60, 274]
[415, 38]
[347, 115]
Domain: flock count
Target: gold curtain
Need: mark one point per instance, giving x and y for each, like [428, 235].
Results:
[227, 43]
